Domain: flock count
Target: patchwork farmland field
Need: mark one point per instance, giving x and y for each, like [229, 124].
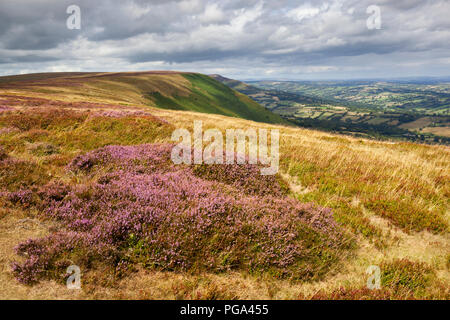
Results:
[412, 111]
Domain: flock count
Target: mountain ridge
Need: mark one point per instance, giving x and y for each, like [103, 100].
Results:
[163, 89]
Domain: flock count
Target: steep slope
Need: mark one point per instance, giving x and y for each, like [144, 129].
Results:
[162, 89]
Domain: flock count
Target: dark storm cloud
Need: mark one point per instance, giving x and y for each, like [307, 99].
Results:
[283, 36]
[33, 25]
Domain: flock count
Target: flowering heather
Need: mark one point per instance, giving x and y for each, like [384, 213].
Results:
[23, 197]
[125, 113]
[43, 118]
[142, 209]
[141, 157]
[33, 102]
[8, 130]
[245, 177]
[5, 108]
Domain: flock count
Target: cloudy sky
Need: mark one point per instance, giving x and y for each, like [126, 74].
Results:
[251, 39]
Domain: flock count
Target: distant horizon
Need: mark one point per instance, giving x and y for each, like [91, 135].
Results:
[445, 78]
[253, 79]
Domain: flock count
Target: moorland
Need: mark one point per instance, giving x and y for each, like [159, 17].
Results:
[86, 179]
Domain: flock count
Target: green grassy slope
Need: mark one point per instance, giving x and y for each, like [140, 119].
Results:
[210, 96]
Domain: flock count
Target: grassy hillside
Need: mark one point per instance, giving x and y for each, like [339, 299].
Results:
[85, 179]
[168, 90]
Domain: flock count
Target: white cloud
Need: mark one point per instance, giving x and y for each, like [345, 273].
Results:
[212, 14]
[304, 11]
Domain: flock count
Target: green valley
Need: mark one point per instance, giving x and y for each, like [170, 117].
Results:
[400, 110]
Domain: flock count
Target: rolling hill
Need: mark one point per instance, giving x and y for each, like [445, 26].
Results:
[162, 89]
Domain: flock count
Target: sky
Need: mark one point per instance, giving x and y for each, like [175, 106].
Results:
[254, 39]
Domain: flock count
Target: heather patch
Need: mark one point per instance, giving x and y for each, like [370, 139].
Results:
[4, 108]
[244, 177]
[52, 118]
[34, 103]
[126, 113]
[141, 209]
[22, 196]
[8, 130]
[136, 158]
